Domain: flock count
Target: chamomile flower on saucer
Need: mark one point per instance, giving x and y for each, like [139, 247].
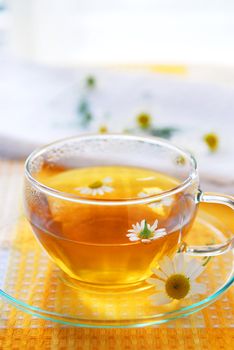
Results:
[145, 233]
[167, 201]
[97, 188]
[175, 279]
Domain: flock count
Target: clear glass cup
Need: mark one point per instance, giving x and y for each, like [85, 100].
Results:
[86, 230]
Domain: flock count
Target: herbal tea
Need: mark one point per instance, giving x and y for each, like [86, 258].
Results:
[109, 244]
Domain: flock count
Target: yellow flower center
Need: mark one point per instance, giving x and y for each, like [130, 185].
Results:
[180, 160]
[144, 120]
[177, 286]
[212, 141]
[96, 184]
[103, 129]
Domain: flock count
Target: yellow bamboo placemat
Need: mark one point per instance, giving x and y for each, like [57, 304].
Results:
[212, 328]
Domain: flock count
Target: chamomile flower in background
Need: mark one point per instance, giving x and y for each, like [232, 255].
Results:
[144, 120]
[97, 188]
[212, 141]
[145, 233]
[90, 82]
[175, 279]
[103, 129]
[180, 160]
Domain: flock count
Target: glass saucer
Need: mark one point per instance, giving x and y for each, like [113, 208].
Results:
[32, 283]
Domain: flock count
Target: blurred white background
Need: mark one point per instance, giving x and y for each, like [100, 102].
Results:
[48, 48]
[124, 31]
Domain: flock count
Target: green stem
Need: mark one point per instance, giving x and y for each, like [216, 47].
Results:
[145, 233]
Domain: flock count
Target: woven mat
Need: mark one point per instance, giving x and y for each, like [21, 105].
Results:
[211, 328]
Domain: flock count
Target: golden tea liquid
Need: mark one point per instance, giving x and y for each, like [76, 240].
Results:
[91, 242]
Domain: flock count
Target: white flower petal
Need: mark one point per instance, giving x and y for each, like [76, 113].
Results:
[179, 263]
[166, 265]
[132, 231]
[155, 225]
[107, 179]
[137, 230]
[160, 299]
[134, 238]
[154, 205]
[167, 201]
[155, 237]
[85, 190]
[142, 224]
[107, 189]
[199, 288]
[197, 272]
[131, 235]
[158, 235]
[193, 268]
[142, 195]
[161, 232]
[159, 273]
[160, 285]
[145, 240]
[189, 265]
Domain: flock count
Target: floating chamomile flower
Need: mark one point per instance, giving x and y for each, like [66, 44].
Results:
[167, 201]
[97, 188]
[145, 233]
[175, 279]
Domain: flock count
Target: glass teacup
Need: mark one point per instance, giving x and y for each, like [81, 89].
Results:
[107, 208]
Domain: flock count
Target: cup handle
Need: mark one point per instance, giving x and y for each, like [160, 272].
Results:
[214, 249]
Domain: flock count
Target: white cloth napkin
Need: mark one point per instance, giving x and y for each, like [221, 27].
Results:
[39, 104]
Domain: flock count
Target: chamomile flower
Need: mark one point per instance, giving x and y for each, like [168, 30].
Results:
[97, 188]
[145, 233]
[103, 129]
[212, 141]
[167, 201]
[90, 82]
[175, 279]
[180, 160]
[144, 120]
